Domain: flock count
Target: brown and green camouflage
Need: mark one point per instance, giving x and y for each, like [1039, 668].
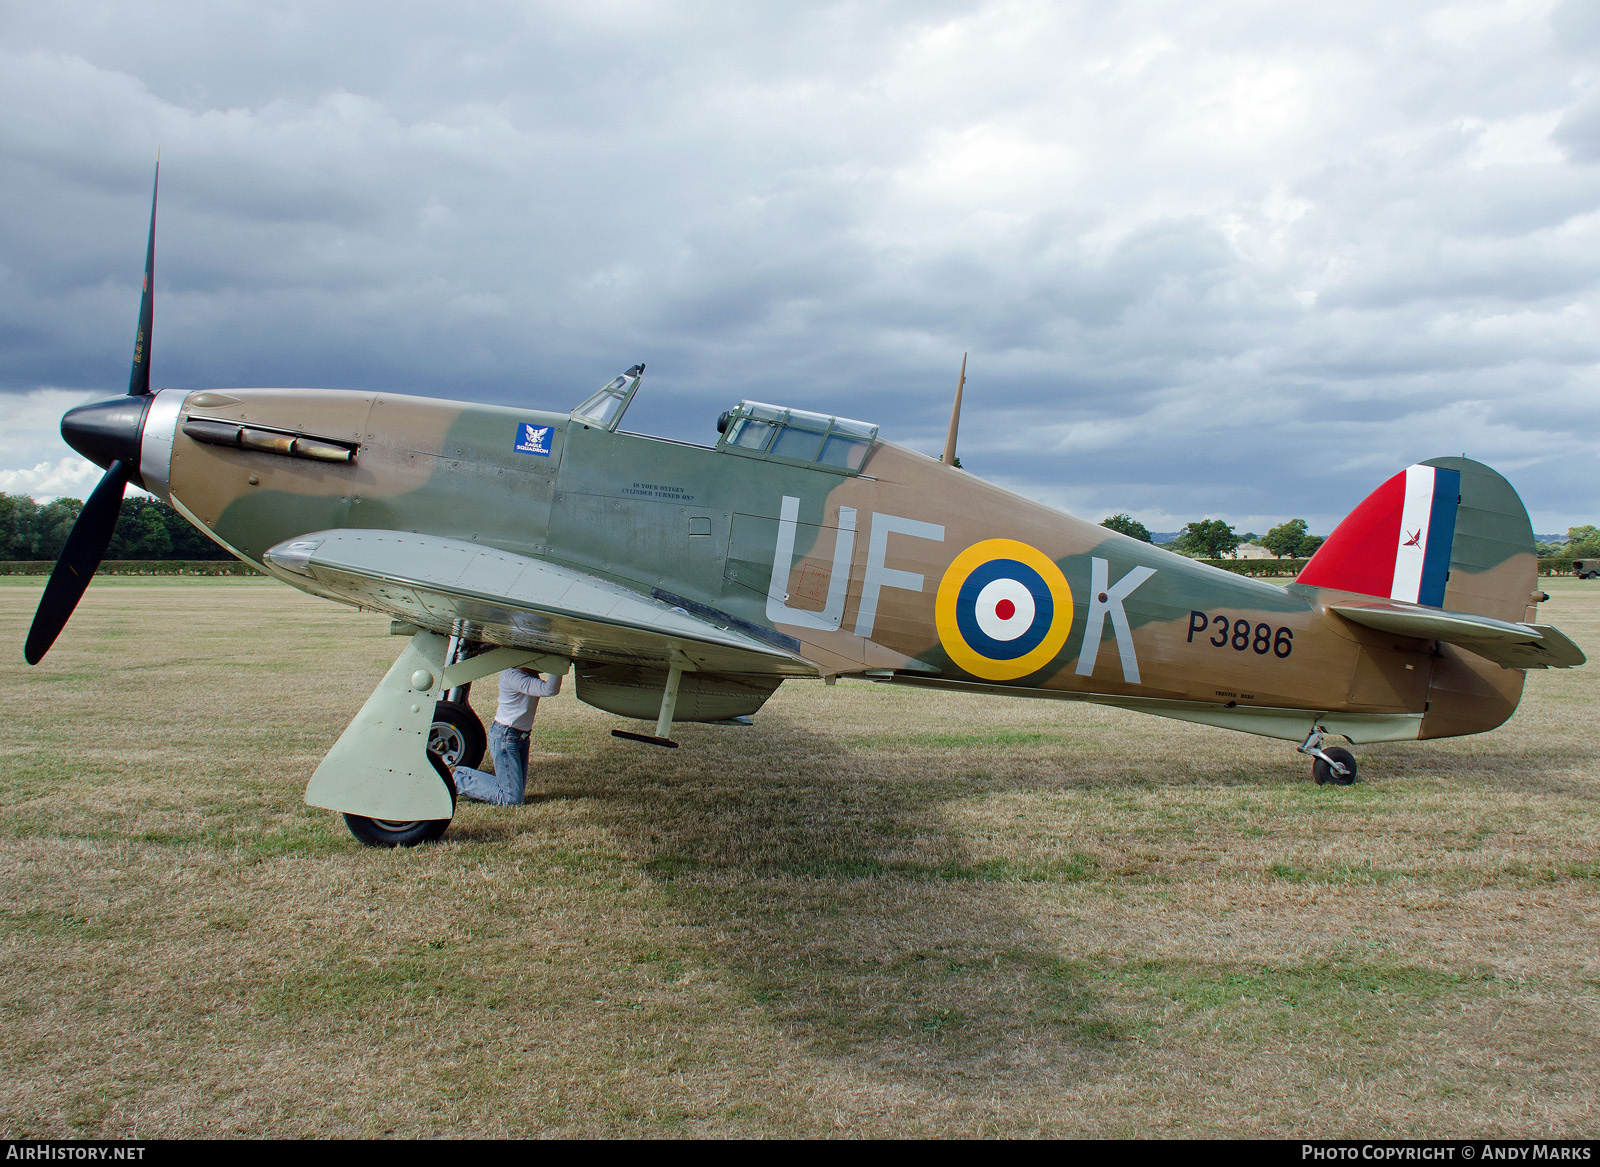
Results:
[703, 524]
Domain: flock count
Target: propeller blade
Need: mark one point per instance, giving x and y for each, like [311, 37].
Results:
[139, 379]
[103, 430]
[86, 547]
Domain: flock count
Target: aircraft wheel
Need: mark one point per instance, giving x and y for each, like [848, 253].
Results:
[1323, 772]
[457, 736]
[387, 833]
[382, 833]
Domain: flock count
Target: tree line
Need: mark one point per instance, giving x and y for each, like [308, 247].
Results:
[1582, 543]
[146, 529]
[1214, 539]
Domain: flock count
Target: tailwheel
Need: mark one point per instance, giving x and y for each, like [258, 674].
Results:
[1335, 764]
[1323, 771]
[385, 833]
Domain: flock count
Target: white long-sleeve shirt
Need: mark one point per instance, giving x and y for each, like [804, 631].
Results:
[519, 697]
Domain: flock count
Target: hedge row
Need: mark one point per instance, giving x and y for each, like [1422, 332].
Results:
[137, 567]
[1258, 567]
[1556, 564]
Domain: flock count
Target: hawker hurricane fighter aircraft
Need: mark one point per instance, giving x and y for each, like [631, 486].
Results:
[686, 582]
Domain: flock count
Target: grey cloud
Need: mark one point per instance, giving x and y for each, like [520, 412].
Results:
[1579, 128]
[1239, 261]
[1576, 27]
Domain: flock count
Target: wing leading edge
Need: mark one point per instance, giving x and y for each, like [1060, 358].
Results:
[516, 600]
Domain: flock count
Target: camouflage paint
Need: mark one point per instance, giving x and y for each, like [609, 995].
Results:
[707, 525]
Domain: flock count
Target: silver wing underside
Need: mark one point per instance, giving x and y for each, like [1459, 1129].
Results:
[440, 584]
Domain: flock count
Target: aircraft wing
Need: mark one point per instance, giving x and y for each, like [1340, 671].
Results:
[528, 603]
[1518, 646]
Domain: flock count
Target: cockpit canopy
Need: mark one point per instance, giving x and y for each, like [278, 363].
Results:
[798, 436]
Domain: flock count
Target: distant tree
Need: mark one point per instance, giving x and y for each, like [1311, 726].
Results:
[55, 521]
[1285, 539]
[1309, 545]
[19, 526]
[141, 531]
[1208, 539]
[150, 529]
[1128, 525]
[146, 529]
[1249, 537]
[1583, 542]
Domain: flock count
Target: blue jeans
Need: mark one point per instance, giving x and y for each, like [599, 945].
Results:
[509, 748]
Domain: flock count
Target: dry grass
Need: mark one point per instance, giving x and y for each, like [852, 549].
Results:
[876, 912]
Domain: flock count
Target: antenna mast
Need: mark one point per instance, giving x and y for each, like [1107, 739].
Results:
[949, 456]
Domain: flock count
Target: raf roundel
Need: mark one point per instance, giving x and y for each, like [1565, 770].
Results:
[1003, 610]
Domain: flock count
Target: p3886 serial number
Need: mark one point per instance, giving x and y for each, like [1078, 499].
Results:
[1241, 635]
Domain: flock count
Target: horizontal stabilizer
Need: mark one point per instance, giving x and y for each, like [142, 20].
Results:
[1518, 646]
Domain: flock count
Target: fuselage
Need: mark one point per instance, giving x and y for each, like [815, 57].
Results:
[902, 567]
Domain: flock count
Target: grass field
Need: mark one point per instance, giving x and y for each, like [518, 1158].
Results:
[876, 912]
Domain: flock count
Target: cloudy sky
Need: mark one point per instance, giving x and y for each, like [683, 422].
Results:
[1238, 260]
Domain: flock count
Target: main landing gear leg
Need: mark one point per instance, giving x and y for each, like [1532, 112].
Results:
[457, 737]
[1335, 764]
[392, 791]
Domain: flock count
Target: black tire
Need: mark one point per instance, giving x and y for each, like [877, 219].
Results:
[1323, 772]
[384, 833]
[457, 736]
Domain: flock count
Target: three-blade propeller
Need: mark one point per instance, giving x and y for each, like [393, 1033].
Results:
[91, 534]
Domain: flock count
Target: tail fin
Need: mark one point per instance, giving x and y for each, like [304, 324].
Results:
[1446, 533]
